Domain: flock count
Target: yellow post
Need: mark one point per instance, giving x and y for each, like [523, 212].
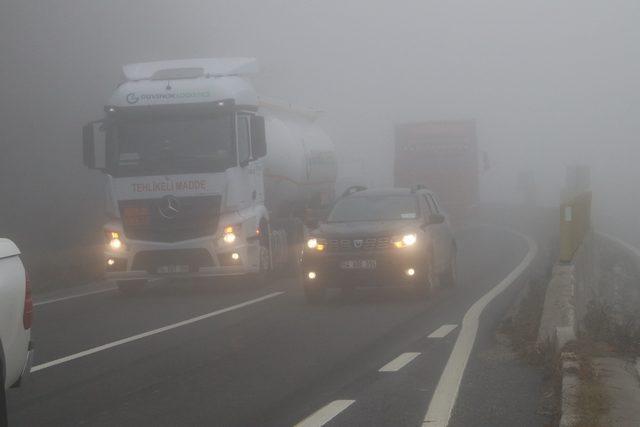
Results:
[575, 222]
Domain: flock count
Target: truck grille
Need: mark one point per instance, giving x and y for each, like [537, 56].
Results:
[150, 261]
[193, 217]
[368, 244]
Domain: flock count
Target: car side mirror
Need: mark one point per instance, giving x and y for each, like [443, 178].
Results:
[436, 218]
[258, 137]
[88, 146]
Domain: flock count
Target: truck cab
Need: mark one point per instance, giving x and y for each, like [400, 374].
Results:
[183, 146]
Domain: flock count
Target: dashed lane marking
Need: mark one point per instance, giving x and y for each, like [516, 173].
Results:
[399, 362]
[442, 331]
[325, 414]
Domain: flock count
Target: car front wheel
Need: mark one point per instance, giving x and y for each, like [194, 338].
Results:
[428, 282]
[450, 276]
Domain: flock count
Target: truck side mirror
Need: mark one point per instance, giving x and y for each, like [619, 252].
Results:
[88, 146]
[258, 137]
[94, 145]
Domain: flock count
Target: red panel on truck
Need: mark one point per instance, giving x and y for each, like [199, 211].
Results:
[443, 156]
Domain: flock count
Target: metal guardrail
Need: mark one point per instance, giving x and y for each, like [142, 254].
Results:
[575, 223]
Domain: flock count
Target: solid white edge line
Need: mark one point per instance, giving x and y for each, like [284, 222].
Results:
[150, 333]
[446, 392]
[325, 414]
[85, 294]
[442, 331]
[399, 362]
[621, 242]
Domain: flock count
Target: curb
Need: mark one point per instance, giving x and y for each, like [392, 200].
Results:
[570, 386]
[558, 323]
[558, 326]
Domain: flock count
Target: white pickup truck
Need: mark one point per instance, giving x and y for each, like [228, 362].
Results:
[16, 311]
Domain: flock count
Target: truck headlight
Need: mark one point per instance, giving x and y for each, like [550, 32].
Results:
[229, 235]
[405, 241]
[113, 237]
[316, 244]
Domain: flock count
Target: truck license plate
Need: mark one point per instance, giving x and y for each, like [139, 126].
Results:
[358, 264]
[173, 269]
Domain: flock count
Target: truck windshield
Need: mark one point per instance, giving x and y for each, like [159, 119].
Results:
[172, 146]
[375, 208]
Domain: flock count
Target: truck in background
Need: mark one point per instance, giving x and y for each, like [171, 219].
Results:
[443, 156]
[204, 177]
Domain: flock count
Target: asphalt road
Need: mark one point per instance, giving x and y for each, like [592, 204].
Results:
[237, 355]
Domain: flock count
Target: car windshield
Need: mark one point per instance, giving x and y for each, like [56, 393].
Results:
[171, 146]
[375, 208]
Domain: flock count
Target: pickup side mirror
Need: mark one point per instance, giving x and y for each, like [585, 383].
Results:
[258, 137]
[435, 219]
[88, 146]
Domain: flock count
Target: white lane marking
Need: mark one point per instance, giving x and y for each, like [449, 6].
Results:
[621, 242]
[150, 333]
[399, 362]
[442, 331]
[325, 414]
[85, 294]
[446, 393]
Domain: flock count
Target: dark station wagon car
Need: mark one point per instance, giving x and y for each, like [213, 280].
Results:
[380, 237]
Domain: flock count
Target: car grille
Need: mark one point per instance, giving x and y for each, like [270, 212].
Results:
[197, 217]
[368, 244]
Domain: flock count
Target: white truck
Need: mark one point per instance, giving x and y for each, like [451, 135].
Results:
[16, 310]
[204, 177]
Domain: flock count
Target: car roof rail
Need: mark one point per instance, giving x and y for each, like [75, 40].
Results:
[353, 189]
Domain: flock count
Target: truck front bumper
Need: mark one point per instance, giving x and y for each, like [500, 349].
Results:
[201, 273]
[194, 259]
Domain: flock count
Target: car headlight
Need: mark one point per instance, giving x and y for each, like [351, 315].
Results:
[113, 237]
[229, 235]
[405, 241]
[316, 244]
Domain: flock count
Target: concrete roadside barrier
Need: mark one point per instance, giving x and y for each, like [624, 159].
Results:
[558, 320]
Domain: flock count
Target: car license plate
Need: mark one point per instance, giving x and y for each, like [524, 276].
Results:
[173, 269]
[358, 264]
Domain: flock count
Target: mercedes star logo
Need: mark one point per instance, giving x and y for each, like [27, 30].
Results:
[357, 243]
[169, 207]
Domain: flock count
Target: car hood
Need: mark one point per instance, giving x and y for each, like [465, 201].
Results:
[365, 228]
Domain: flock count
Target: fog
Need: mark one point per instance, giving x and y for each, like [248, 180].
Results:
[549, 84]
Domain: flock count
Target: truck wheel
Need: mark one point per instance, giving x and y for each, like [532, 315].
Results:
[4, 422]
[264, 259]
[450, 276]
[131, 287]
[315, 294]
